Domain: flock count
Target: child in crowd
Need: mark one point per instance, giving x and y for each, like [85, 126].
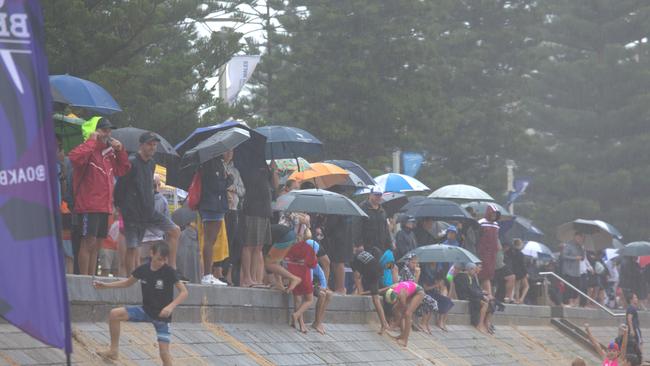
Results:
[613, 355]
[158, 281]
[411, 272]
[109, 259]
[321, 291]
[367, 273]
[406, 297]
[301, 259]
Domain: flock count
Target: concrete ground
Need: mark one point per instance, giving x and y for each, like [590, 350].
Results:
[232, 326]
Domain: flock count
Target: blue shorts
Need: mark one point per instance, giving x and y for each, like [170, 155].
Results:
[209, 215]
[137, 314]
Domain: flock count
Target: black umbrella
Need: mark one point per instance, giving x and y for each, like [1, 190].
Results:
[214, 146]
[412, 200]
[355, 168]
[249, 156]
[393, 201]
[283, 142]
[317, 201]
[130, 139]
[521, 228]
[440, 210]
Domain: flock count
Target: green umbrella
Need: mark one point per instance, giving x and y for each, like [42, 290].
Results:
[70, 129]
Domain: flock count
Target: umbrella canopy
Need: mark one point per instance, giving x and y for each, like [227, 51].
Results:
[617, 244]
[393, 202]
[215, 146]
[611, 253]
[355, 168]
[130, 139]
[479, 207]
[57, 97]
[70, 130]
[461, 192]
[596, 235]
[522, 228]
[249, 156]
[411, 201]
[442, 253]
[440, 210]
[635, 249]
[85, 94]
[610, 229]
[393, 182]
[534, 249]
[318, 201]
[299, 164]
[289, 142]
[323, 175]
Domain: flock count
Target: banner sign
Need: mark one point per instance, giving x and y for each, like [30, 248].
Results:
[240, 69]
[33, 294]
[411, 162]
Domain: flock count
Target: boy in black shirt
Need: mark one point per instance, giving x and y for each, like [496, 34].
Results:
[158, 281]
[368, 271]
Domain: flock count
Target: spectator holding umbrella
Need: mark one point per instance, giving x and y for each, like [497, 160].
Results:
[572, 254]
[405, 240]
[235, 193]
[95, 163]
[374, 231]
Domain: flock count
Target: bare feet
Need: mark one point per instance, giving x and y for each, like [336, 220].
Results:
[109, 354]
[382, 329]
[401, 342]
[295, 281]
[482, 329]
[279, 288]
[319, 328]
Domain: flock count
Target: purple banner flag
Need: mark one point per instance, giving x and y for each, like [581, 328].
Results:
[33, 294]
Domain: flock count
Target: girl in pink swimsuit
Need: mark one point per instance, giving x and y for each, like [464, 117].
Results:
[612, 355]
[405, 296]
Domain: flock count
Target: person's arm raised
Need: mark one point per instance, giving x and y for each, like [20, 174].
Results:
[594, 342]
[127, 282]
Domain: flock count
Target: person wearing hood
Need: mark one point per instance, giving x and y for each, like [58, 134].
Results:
[488, 246]
[451, 236]
[405, 240]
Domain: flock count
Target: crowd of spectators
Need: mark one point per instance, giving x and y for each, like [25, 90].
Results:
[113, 212]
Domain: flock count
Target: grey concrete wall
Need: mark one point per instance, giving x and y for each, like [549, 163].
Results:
[246, 305]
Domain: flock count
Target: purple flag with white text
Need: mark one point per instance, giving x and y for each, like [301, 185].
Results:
[33, 294]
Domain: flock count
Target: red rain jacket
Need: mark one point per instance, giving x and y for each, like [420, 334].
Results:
[95, 166]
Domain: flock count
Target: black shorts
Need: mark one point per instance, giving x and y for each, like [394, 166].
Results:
[338, 252]
[92, 224]
[502, 273]
[370, 283]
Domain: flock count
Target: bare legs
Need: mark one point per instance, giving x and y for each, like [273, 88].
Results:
[116, 316]
[88, 251]
[210, 232]
[172, 239]
[339, 278]
[324, 298]
[301, 303]
[411, 306]
[380, 312]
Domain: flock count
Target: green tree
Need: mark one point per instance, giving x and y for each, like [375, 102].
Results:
[590, 100]
[148, 54]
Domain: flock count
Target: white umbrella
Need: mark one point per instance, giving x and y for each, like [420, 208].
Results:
[393, 182]
[461, 192]
[534, 249]
[597, 235]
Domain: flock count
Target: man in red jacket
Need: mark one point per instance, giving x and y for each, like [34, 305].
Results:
[95, 164]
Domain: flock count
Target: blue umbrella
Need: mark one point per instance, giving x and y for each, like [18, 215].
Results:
[85, 94]
[284, 142]
[355, 168]
[393, 182]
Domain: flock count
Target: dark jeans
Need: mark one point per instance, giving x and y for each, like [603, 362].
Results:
[570, 293]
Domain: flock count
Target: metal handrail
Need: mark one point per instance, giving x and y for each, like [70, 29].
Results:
[606, 309]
